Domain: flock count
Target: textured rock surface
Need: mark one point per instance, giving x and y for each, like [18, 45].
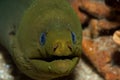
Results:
[6, 66]
[5, 69]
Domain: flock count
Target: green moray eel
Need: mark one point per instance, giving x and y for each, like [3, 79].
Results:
[43, 37]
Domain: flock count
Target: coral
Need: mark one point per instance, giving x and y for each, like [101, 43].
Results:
[101, 35]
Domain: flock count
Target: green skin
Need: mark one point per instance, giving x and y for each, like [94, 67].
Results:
[21, 24]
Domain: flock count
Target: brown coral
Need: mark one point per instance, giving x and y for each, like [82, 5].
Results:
[99, 44]
[102, 52]
[76, 5]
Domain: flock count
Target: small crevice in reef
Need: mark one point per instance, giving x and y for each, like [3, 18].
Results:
[116, 59]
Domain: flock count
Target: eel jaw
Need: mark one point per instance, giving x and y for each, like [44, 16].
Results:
[55, 64]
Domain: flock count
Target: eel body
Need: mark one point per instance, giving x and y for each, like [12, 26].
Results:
[42, 36]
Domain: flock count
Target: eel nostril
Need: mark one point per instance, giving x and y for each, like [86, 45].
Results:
[55, 47]
[70, 47]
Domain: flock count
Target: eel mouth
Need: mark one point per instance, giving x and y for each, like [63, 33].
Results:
[52, 58]
[55, 64]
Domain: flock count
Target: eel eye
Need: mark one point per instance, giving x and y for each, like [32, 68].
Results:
[42, 38]
[73, 37]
